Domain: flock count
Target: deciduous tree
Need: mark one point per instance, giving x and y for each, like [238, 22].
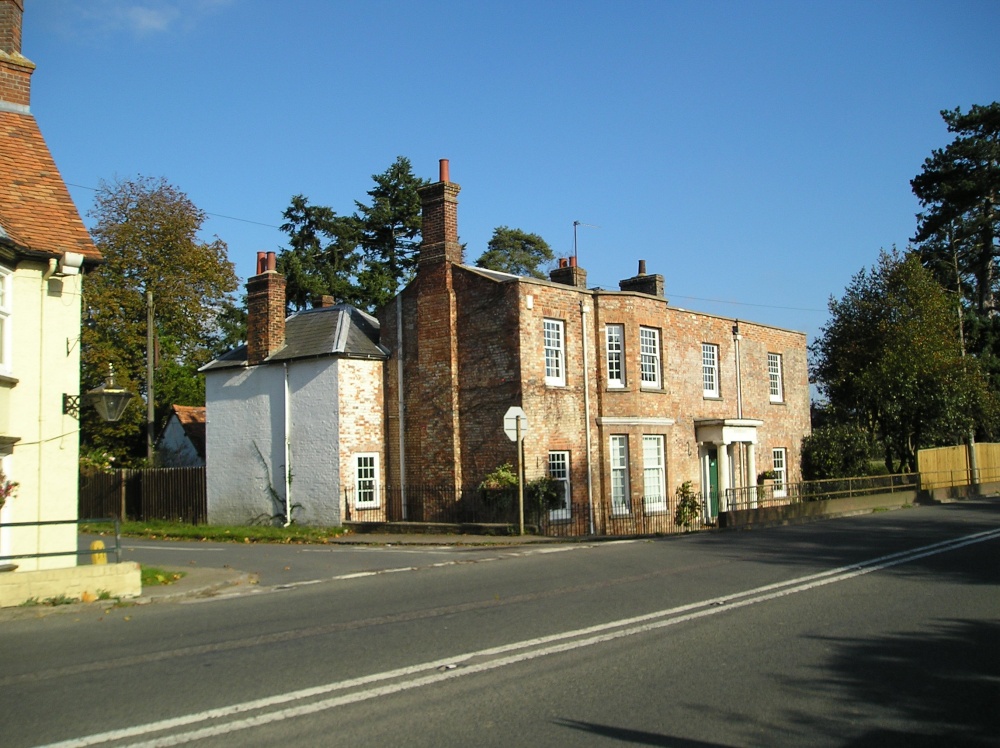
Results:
[890, 361]
[147, 231]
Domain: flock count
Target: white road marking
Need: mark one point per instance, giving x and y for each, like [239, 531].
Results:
[416, 676]
[181, 549]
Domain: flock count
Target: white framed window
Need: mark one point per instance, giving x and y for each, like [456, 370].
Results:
[619, 475]
[654, 489]
[6, 330]
[710, 369]
[649, 356]
[559, 473]
[775, 389]
[555, 353]
[366, 486]
[779, 466]
[614, 336]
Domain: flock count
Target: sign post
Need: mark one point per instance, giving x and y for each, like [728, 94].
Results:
[515, 425]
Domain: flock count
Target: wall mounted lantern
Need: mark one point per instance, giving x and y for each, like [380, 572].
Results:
[108, 399]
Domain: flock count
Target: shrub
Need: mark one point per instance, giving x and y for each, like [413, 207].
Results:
[688, 507]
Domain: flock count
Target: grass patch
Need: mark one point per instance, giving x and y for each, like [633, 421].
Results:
[153, 577]
[51, 602]
[164, 530]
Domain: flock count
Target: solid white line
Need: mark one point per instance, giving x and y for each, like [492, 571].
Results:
[515, 652]
[179, 549]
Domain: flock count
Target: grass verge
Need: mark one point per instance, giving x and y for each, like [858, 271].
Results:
[163, 530]
[153, 577]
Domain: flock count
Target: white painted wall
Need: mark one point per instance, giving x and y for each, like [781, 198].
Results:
[243, 450]
[45, 352]
[244, 442]
[316, 423]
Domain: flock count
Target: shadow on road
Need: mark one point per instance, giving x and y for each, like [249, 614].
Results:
[940, 686]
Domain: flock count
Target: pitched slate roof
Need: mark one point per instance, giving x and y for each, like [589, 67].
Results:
[36, 211]
[339, 330]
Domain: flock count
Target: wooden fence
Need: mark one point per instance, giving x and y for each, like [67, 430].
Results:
[949, 466]
[143, 495]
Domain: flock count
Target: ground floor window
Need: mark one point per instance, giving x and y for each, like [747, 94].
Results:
[559, 473]
[619, 475]
[778, 463]
[366, 480]
[654, 496]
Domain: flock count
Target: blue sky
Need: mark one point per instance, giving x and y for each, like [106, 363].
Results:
[757, 154]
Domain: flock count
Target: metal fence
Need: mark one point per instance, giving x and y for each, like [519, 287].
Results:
[176, 494]
[497, 511]
[92, 552]
[771, 494]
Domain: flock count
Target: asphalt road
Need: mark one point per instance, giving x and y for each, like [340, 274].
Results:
[868, 631]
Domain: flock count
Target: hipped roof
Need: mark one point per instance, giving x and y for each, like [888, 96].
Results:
[339, 330]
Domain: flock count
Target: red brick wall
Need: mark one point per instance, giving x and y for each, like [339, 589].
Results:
[15, 75]
[11, 13]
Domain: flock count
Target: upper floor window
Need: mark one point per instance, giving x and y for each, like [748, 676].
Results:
[555, 353]
[775, 391]
[366, 480]
[559, 473]
[6, 331]
[649, 356]
[779, 466]
[710, 369]
[615, 338]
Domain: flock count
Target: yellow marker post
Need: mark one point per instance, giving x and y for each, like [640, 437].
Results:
[98, 558]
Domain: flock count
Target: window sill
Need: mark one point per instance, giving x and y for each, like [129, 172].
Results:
[777, 402]
[713, 397]
[651, 389]
[7, 381]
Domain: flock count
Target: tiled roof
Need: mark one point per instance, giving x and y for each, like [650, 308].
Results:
[328, 331]
[36, 211]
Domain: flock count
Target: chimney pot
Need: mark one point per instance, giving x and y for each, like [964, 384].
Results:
[272, 262]
[261, 262]
[443, 170]
[642, 267]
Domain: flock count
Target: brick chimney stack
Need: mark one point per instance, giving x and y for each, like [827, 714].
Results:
[568, 273]
[265, 310]
[439, 227]
[643, 283]
[432, 406]
[15, 68]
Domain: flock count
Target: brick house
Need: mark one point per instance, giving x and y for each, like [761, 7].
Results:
[626, 396]
[295, 412]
